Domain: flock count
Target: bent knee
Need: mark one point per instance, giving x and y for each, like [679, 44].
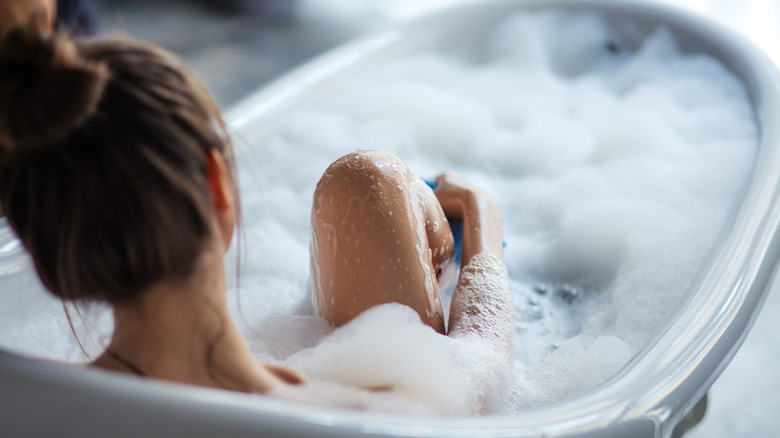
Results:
[367, 196]
[363, 173]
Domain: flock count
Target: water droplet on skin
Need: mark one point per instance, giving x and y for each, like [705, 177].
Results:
[333, 301]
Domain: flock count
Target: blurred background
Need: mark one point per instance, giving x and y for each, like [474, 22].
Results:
[236, 46]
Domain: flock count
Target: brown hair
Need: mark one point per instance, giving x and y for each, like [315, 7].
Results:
[103, 147]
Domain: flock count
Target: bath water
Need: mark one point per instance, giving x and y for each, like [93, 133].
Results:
[615, 167]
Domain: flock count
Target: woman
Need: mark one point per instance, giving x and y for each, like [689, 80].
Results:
[117, 175]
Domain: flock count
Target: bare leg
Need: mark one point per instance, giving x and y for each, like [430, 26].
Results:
[379, 235]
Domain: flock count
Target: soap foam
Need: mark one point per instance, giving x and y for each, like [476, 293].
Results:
[615, 167]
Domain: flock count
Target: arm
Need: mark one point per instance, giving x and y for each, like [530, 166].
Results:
[481, 307]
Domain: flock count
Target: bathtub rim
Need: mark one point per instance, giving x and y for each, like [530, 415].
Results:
[583, 412]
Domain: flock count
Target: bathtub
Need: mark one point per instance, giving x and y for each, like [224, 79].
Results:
[649, 397]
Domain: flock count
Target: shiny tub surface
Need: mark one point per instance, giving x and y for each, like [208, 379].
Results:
[648, 397]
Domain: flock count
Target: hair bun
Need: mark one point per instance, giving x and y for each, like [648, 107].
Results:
[46, 88]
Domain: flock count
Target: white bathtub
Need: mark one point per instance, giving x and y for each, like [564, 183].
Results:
[648, 397]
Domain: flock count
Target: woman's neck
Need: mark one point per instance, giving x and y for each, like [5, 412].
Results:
[182, 331]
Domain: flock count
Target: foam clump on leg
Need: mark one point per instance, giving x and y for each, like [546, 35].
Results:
[388, 350]
[387, 354]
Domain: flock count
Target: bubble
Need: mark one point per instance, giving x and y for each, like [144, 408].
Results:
[567, 293]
